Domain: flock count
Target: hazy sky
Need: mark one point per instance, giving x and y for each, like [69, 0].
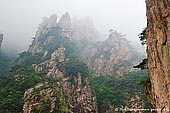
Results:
[19, 19]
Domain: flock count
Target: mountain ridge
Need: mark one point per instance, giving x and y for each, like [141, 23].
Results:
[56, 75]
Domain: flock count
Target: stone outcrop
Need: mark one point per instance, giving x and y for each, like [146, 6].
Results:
[73, 97]
[46, 24]
[158, 49]
[78, 29]
[84, 29]
[1, 39]
[59, 53]
[65, 24]
[114, 56]
[135, 104]
[43, 29]
[54, 56]
[80, 97]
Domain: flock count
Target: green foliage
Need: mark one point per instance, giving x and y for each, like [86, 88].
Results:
[145, 81]
[26, 59]
[75, 66]
[45, 108]
[58, 41]
[121, 64]
[117, 90]
[142, 36]
[22, 76]
[141, 65]
[12, 89]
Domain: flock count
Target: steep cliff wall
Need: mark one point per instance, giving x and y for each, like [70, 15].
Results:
[56, 59]
[158, 49]
[114, 56]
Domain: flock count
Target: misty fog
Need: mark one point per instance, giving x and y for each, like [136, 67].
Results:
[20, 18]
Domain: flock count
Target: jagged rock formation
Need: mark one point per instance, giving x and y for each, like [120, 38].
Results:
[80, 98]
[46, 24]
[52, 75]
[114, 56]
[65, 24]
[84, 29]
[158, 49]
[136, 104]
[43, 29]
[69, 88]
[1, 39]
[63, 95]
[100, 57]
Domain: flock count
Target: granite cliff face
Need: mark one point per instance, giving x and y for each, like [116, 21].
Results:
[68, 88]
[42, 30]
[99, 56]
[114, 56]
[158, 49]
[56, 73]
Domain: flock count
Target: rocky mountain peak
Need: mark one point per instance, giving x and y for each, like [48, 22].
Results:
[115, 56]
[65, 21]
[115, 36]
[84, 29]
[46, 24]
[56, 74]
[43, 29]
[65, 24]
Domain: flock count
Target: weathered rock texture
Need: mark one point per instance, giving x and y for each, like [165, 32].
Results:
[114, 56]
[45, 25]
[72, 98]
[64, 93]
[77, 97]
[158, 49]
[54, 55]
[43, 29]
[1, 38]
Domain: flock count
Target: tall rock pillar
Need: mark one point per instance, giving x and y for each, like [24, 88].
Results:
[1, 38]
[158, 49]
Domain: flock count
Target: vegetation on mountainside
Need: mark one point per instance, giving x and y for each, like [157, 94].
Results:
[142, 65]
[12, 89]
[75, 66]
[117, 90]
[142, 36]
[23, 77]
[6, 61]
